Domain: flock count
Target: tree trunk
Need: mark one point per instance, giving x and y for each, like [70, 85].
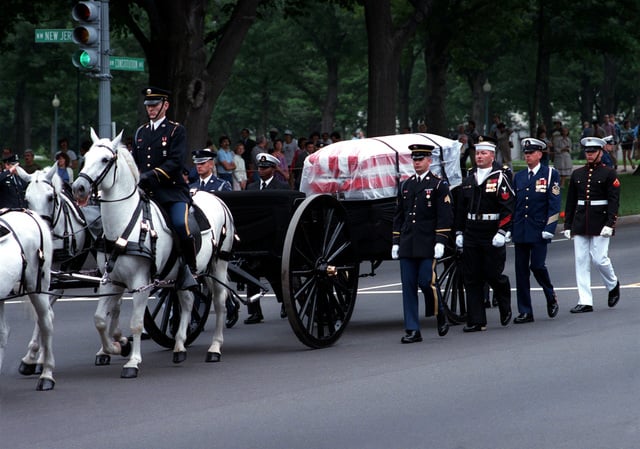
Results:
[404, 87]
[608, 89]
[385, 46]
[437, 63]
[331, 99]
[542, 83]
[196, 81]
[586, 94]
[22, 120]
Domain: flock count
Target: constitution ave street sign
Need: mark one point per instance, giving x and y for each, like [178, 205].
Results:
[125, 63]
[45, 36]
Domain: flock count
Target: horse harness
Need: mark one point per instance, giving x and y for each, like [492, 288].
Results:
[122, 245]
[63, 210]
[5, 228]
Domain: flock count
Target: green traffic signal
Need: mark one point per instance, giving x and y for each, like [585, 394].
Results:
[85, 59]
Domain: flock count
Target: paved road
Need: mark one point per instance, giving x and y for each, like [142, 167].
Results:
[570, 382]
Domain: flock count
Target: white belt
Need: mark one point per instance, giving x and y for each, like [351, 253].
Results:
[483, 216]
[593, 203]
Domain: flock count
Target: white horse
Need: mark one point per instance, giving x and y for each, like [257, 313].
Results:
[45, 195]
[27, 250]
[139, 249]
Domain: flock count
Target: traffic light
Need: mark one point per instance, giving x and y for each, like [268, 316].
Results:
[87, 35]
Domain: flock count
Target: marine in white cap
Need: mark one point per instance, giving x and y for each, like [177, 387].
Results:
[591, 212]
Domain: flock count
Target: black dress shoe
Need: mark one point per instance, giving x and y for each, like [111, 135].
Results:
[474, 328]
[232, 317]
[524, 318]
[443, 326]
[411, 337]
[283, 311]
[254, 318]
[505, 317]
[552, 307]
[580, 308]
[614, 295]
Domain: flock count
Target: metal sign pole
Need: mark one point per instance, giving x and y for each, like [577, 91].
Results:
[104, 81]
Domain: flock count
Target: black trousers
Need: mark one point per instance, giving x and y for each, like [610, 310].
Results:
[484, 264]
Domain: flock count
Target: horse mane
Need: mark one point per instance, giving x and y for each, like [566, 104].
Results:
[126, 155]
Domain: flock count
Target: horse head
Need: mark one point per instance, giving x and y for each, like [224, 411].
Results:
[100, 169]
[42, 192]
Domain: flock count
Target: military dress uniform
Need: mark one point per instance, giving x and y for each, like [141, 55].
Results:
[213, 183]
[422, 219]
[483, 210]
[159, 152]
[12, 187]
[535, 218]
[159, 155]
[593, 199]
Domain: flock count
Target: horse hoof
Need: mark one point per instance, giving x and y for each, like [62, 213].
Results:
[103, 359]
[179, 357]
[38, 368]
[212, 357]
[27, 369]
[45, 384]
[125, 348]
[129, 373]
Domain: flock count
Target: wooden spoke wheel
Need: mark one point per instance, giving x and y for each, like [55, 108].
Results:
[162, 316]
[451, 288]
[319, 271]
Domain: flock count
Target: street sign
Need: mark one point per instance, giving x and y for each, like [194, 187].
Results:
[53, 36]
[125, 63]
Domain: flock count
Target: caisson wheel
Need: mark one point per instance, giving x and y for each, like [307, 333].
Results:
[162, 316]
[451, 287]
[319, 271]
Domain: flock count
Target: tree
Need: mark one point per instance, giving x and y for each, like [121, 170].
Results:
[185, 57]
[386, 41]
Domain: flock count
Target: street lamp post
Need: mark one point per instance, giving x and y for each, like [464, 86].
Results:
[486, 87]
[56, 104]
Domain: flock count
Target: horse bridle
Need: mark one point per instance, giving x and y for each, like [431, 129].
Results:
[94, 184]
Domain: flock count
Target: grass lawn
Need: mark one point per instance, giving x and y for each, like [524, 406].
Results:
[629, 190]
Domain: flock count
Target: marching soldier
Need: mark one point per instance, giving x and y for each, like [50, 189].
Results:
[483, 217]
[421, 228]
[159, 149]
[534, 223]
[590, 218]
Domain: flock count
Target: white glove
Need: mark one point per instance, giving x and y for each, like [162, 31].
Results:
[438, 250]
[547, 235]
[606, 231]
[394, 251]
[459, 240]
[498, 240]
[507, 237]
[567, 234]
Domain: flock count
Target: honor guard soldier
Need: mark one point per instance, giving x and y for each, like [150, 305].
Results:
[266, 164]
[207, 181]
[421, 228]
[159, 150]
[483, 217]
[534, 224]
[591, 212]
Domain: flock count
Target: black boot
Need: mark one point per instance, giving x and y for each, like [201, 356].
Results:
[188, 276]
